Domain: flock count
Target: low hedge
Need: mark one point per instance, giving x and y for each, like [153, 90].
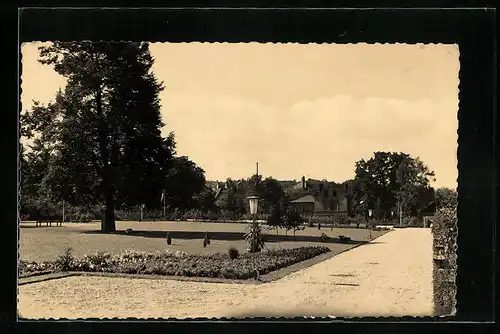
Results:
[170, 263]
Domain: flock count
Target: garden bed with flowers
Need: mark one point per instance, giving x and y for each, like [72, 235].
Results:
[170, 263]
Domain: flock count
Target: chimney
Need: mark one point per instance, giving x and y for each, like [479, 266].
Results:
[303, 182]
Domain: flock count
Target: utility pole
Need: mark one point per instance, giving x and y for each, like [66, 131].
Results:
[400, 214]
[63, 212]
[257, 169]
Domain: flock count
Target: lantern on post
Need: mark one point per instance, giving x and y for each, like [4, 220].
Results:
[253, 201]
[370, 214]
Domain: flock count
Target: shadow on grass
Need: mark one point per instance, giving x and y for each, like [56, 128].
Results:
[228, 236]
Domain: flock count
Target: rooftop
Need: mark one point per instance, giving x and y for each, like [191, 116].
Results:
[305, 199]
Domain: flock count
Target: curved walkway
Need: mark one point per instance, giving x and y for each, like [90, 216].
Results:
[391, 276]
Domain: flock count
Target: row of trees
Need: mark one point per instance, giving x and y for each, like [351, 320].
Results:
[234, 196]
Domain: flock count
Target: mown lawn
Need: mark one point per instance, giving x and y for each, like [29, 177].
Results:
[47, 243]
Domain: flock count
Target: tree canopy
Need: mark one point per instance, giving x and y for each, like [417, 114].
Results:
[389, 178]
[184, 180]
[446, 198]
[234, 196]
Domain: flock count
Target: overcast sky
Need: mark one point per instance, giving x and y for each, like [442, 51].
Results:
[310, 110]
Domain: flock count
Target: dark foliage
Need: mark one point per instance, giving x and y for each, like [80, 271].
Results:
[389, 179]
[254, 237]
[65, 261]
[233, 253]
[444, 231]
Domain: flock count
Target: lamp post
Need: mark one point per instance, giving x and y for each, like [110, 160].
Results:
[370, 214]
[163, 200]
[142, 208]
[253, 201]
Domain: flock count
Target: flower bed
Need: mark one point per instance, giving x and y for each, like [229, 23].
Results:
[28, 269]
[178, 263]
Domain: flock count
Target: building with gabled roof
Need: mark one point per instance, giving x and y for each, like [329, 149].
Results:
[323, 197]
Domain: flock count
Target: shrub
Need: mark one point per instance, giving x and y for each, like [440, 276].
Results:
[359, 219]
[65, 261]
[82, 217]
[194, 214]
[344, 239]
[412, 221]
[351, 221]
[324, 220]
[416, 222]
[32, 268]
[254, 237]
[444, 231]
[324, 237]
[169, 238]
[233, 253]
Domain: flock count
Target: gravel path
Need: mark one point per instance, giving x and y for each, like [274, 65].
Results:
[391, 276]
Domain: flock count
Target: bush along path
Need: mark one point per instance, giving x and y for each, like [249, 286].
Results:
[444, 232]
[169, 263]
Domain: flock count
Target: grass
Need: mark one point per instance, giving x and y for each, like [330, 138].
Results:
[48, 243]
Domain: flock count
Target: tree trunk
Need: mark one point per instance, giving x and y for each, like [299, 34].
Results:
[108, 220]
[108, 224]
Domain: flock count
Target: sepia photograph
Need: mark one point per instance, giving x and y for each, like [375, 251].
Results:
[237, 180]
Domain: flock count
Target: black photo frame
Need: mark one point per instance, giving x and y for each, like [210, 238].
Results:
[472, 29]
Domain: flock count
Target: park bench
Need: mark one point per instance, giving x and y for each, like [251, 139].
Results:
[48, 222]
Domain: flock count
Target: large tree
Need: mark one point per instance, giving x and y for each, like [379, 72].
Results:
[233, 197]
[205, 199]
[389, 179]
[272, 194]
[100, 139]
[184, 182]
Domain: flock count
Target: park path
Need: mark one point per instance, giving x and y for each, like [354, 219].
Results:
[391, 276]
